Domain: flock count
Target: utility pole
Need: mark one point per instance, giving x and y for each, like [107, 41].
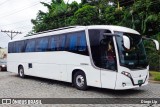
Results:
[12, 33]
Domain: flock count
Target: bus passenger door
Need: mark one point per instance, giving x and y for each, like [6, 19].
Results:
[108, 63]
[103, 56]
[108, 79]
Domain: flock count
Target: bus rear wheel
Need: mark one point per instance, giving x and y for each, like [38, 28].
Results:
[79, 81]
[21, 72]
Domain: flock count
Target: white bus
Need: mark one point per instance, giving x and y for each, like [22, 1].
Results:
[102, 56]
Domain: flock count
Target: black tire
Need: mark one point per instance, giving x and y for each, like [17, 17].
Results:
[79, 81]
[21, 72]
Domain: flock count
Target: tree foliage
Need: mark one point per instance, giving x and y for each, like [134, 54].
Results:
[142, 15]
[87, 15]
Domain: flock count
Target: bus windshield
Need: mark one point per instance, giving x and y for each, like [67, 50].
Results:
[135, 57]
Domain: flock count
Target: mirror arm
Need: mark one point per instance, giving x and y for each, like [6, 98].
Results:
[146, 38]
[151, 40]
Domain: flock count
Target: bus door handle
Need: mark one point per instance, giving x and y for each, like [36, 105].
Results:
[29, 65]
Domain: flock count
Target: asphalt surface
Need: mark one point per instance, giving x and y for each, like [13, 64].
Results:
[12, 86]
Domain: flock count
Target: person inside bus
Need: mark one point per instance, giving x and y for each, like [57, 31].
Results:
[110, 56]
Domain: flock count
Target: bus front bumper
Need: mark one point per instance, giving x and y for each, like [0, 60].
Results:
[124, 82]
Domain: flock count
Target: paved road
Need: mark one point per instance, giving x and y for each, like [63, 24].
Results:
[12, 86]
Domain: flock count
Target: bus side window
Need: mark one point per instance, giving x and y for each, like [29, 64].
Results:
[30, 47]
[73, 42]
[62, 42]
[19, 46]
[13, 50]
[76, 43]
[82, 45]
[11, 47]
[54, 43]
[42, 44]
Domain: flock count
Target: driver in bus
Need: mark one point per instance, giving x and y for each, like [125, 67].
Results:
[110, 57]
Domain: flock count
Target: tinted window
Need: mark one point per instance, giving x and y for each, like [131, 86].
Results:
[19, 46]
[135, 57]
[102, 49]
[42, 44]
[72, 41]
[76, 43]
[82, 45]
[62, 42]
[30, 45]
[95, 46]
[11, 47]
[54, 43]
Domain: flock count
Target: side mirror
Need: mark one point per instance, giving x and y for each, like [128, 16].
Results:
[126, 42]
[156, 43]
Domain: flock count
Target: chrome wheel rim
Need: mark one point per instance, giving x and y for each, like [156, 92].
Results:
[80, 80]
[21, 72]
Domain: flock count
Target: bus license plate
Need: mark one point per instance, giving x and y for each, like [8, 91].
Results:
[140, 81]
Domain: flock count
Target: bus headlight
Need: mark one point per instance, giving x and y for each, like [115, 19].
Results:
[126, 74]
[3, 65]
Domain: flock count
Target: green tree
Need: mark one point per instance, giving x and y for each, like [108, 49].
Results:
[145, 13]
[59, 15]
[87, 15]
[143, 16]
[113, 16]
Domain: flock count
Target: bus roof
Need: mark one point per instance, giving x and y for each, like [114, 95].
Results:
[68, 29]
[113, 28]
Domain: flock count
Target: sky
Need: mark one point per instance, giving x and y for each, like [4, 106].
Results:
[16, 15]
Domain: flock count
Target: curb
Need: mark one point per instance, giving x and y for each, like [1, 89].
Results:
[152, 81]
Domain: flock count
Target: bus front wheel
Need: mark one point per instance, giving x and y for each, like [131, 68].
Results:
[21, 72]
[80, 81]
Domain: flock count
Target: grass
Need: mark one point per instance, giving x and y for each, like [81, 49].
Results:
[155, 75]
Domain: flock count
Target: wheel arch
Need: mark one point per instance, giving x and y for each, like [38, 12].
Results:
[20, 65]
[78, 70]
